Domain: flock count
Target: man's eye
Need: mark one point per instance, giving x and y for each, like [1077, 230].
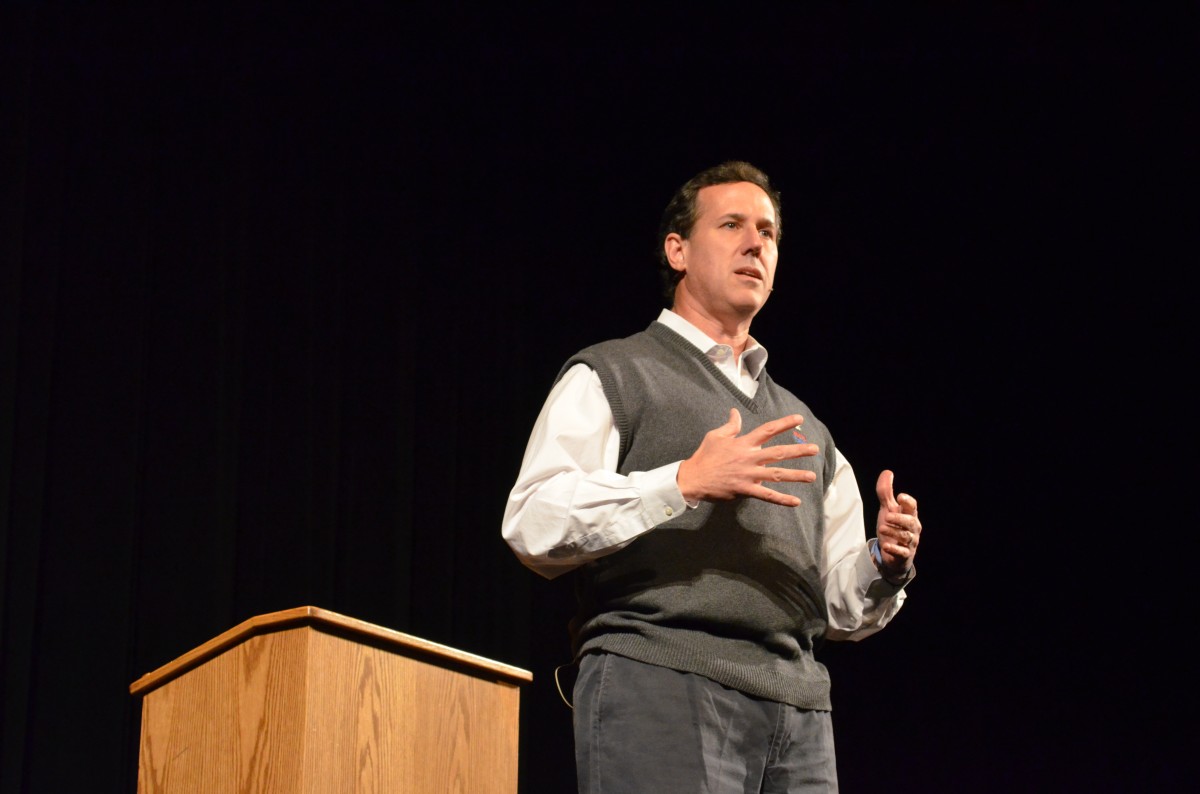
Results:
[767, 233]
[730, 224]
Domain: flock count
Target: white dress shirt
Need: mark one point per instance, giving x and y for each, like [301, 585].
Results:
[569, 504]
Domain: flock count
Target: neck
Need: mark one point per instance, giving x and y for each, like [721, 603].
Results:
[734, 332]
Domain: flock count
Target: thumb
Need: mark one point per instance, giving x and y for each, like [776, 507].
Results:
[883, 489]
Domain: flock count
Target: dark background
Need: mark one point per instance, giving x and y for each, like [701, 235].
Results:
[283, 291]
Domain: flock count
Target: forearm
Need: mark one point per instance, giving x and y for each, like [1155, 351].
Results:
[860, 602]
[573, 517]
[569, 504]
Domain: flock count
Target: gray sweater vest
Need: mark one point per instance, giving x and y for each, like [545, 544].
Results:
[728, 590]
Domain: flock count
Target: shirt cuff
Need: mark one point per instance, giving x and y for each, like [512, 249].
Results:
[877, 564]
[661, 499]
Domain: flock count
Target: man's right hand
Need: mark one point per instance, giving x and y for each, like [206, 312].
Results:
[726, 466]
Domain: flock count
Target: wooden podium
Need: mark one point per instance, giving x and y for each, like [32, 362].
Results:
[307, 700]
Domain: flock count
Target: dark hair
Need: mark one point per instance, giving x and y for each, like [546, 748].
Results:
[683, 210]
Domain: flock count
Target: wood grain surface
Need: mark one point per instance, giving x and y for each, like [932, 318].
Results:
[327, 706]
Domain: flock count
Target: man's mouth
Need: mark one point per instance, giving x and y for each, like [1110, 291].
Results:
[749, 271]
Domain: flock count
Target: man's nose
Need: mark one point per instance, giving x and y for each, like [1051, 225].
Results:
[754, 244]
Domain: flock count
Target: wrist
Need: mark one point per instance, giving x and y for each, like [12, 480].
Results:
[891, 577]
[683, 482]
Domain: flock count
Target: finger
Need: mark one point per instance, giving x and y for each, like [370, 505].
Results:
[769, 430]
[895, 547]
[774, 497]
[789, 452]
[883, 489]
[899, 522]
[907, 504]
[734, 425]
[780, 474]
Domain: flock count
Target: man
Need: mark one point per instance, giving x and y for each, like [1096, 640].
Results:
[715, 530]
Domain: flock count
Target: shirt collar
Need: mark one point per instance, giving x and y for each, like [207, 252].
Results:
[754, 356]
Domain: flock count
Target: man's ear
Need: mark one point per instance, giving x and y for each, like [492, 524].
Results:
[674, 246]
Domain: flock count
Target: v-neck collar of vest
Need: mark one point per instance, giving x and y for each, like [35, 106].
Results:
[687, 348]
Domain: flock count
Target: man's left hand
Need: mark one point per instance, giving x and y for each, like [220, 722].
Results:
[897, 529]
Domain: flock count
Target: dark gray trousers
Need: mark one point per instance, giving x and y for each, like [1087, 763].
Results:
[642, 728]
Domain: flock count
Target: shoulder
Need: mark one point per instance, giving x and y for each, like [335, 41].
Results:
[641, 339]
[612, 353]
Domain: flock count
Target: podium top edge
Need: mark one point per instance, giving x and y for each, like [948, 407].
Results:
[323, 618]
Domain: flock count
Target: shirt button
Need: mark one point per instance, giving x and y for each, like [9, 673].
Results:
[668, 510]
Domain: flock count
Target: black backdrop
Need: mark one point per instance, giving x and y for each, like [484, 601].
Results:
[283, 290]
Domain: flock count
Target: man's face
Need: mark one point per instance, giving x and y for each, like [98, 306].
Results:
[729, 259]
